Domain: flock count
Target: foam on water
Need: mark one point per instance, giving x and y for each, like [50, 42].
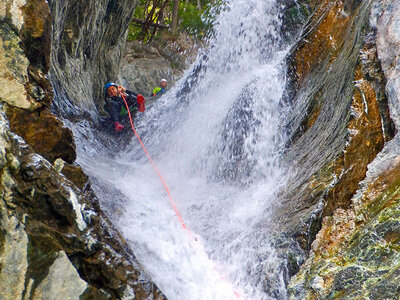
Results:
[217, 146]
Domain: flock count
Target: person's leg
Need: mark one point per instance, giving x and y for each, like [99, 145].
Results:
[114, 109]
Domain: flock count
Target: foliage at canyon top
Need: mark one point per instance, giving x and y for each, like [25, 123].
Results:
[194, 17]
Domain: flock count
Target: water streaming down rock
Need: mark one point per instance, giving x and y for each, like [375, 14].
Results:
[343, 85]
[216, 138]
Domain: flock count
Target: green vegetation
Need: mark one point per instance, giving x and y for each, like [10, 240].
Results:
[195, 17]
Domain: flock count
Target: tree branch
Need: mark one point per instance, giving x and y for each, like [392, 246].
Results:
[150, 24]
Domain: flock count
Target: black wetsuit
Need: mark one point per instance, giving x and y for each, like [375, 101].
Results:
[114, 104]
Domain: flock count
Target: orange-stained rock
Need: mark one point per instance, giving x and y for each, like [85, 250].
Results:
[44, 133]
[326, 38]
[36, 15]
[330, 40]
[355, 253]
[341, 123]
[365, 141]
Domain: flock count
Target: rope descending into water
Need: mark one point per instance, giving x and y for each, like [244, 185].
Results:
[153, 164]
[165, 184]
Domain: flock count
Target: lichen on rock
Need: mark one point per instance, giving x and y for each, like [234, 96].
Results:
[13, 255]
[13, 69]
[356, 253]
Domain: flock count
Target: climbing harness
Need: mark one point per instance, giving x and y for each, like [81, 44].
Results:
[165, 184]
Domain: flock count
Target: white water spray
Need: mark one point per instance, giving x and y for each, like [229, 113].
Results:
[215, 138]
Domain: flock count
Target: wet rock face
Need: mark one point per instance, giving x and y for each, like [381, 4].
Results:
[388, 44]
[338, 88]
[295, 15]
[87, 44]
[355, 176]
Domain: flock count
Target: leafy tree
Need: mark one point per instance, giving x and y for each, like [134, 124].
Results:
[192, 16]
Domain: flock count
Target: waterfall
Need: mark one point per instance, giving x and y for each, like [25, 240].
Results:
[216, 138]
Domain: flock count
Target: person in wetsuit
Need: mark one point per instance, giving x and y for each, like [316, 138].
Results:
[159, 90]
[115, 104]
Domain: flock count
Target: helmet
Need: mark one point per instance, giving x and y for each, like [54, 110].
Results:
[163, 80]
[108, 84]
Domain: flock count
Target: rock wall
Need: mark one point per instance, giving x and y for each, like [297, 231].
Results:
[343, 83]
[55, 242]
[24, 62]
[88, 39]
[143, 66]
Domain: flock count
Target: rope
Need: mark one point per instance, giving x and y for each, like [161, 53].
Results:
[153, 164]
[165, 184]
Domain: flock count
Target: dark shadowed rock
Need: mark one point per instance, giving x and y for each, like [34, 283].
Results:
[87, 45]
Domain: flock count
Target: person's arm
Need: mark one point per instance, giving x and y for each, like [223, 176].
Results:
[156, 90]
[135, 99]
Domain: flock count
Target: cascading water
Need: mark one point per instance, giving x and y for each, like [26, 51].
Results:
[215, 137]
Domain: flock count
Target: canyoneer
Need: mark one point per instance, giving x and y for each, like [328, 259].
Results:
[115, 104]
[159, 90]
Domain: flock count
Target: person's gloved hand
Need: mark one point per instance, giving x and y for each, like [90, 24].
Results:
[118, 126]
[121, 89]
[140, 100]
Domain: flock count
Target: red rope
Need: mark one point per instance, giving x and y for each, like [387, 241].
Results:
[164, 183]
[152, 163]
